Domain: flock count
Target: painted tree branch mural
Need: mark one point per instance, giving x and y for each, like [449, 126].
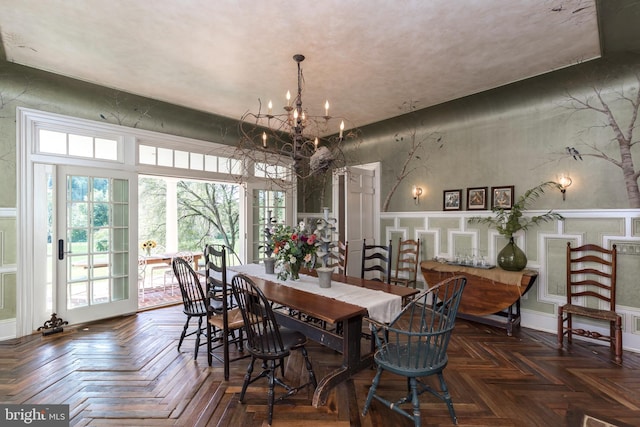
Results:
[619, 111]
[417, 154]
[117, 111]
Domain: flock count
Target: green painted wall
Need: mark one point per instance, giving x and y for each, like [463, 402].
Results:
[514, 135]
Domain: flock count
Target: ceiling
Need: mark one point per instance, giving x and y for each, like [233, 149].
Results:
[367, 57]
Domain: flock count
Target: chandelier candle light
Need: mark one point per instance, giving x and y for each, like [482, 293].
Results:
[294, 135]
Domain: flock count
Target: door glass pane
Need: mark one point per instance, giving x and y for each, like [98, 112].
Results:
[266, 204]
[98, 259]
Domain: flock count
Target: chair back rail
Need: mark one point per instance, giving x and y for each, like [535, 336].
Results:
[407, 261]
[376, 259]
[193, 298]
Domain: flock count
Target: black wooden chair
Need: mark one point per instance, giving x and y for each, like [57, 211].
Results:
[415, 344]
[376, 262]
[591, 293]
[224, 319]
[267, 341]
[193, 300]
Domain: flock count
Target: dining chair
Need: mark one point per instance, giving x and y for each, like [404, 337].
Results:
[407, 260]
[376, 262]
[193, 300]
[267, 341]
[414, 345]
[224, 319]
[591, 293]
[339, 258]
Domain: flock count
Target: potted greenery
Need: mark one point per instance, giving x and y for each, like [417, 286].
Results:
[509, 221]
[269, 246]
[325, 227]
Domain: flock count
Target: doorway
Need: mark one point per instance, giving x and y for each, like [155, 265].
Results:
[356, 198]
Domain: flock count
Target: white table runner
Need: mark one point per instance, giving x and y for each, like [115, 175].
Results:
[382, 306]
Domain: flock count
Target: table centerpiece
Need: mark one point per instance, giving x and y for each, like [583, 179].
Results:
[293, 247]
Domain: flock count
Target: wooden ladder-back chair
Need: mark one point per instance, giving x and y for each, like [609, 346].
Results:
[193, 300]
[338, 258]
[376, 259]
[591, 293]
[414, 345]
[407, 263]
[267, 341]
[224, 319]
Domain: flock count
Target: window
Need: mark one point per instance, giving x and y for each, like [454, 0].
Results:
[72, 145]
[159, 156]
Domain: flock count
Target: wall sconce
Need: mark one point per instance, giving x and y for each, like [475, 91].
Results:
[417, 192]
[565, 182]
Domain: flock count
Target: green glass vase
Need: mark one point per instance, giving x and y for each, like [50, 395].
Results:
[294, 271]
[511, 257]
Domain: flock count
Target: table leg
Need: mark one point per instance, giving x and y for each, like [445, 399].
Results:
[352, 361]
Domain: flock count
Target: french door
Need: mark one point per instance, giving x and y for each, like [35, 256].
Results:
[93, 237]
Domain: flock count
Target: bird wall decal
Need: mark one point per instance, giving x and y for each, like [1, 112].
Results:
[573, 152]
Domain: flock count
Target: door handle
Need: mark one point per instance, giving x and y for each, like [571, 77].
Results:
[61, 250]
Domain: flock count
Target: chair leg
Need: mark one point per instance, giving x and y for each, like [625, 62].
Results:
[447, 398]
[271, 393]
[198, 333]
[247, 378]
[209, 341]
[184, 332]
[225, 353]
[415, 402]
[372, 391]
[560, 328]
[618, 337]
[312, 375]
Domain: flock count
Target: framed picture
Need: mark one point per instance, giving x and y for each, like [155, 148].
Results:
[477, 198]
[502, 197]
[452, 200]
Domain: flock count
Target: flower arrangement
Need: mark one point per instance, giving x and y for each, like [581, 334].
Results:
[508, 221]
[148, 244]
[293, 247]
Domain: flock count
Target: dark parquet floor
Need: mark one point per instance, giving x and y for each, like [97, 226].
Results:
[127, 372]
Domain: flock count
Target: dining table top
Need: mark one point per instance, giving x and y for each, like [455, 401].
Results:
[348, 296]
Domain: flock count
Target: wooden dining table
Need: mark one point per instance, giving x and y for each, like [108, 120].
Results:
[311, 302]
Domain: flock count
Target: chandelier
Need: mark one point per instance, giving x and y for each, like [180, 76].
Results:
[276, 141]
